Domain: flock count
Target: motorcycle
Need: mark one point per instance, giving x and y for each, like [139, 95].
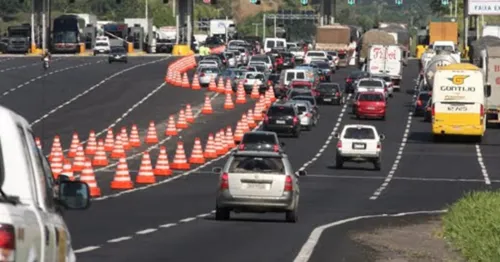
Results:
[45, 64]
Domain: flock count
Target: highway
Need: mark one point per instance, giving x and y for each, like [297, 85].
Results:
[173, 220]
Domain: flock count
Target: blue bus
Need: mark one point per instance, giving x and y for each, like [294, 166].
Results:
[66, 34]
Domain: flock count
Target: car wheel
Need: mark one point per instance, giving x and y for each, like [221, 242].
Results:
[377, 164]
[222, 214]
[292, 216]
[339, 162]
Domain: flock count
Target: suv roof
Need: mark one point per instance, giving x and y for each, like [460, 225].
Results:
[260, 153]
[261, 132]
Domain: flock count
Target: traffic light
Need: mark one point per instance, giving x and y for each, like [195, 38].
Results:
[445, 2]
[399, 2]
[255, 2]
[351, 2]
[165, 1]
[304, 2]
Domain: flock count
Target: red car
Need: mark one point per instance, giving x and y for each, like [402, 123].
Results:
[371, 105]
[301, 84]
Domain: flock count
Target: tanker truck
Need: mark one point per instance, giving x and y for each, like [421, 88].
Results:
[441, 59]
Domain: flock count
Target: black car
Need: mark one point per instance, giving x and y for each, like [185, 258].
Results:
[261, 141]
[288, 60]
[324, 69]
[283, 117]
[117, 54]
[350, 81]
[330, 93]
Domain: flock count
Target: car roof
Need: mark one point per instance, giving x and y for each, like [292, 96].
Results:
[370, 79]
[359, 126]
[261, 133]
[308, 103]
[259, 154]
[370, 92]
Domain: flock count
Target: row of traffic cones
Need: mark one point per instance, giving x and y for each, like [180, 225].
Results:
[177, 69]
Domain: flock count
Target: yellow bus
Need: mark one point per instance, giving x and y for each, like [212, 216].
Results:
[459, 101]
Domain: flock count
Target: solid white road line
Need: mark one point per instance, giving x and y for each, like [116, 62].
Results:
[307, 249]
[480, 160]
[102, 82]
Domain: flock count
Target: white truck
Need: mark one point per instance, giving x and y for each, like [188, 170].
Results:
[386, 60]
[491, 70]
[31, 202]
[219, 27]
[448, 46]
[439, 60]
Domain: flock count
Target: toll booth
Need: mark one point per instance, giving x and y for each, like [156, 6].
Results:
[89, 34]
[137, 37]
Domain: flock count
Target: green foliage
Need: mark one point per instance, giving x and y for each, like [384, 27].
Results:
[8, 9]
[472, 225]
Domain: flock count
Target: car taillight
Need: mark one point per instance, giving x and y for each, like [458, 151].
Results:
[223, 61]
[337, 94]
[224, 181]
[339, 144]
[202, 74]
[385, 89]
[266, 119]
[269, 82]
[295, 120]
[293, 60]
[241, 147]
[246, 81]
[7, 242]
[419, 102]
[308, 114]
[379, 146]
[288, 184]
[348, 80]
[276, 148]
[433, 110]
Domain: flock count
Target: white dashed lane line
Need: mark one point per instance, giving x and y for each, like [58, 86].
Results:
[480, 160]
[25, 66]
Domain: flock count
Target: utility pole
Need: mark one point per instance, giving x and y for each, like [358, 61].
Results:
[146, 11]
[44, 25]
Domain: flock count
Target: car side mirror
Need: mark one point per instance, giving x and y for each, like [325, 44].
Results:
[74, 195]
[336, 135]
[488, 90]
[302, 173]
[217, 169]
[382, 137]
[282, 144]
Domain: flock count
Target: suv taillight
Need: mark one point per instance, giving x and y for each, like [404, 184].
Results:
[276, 148]
[337, 94]
[202, 74]
[224, 181]
[288, 184]
[419, 102]
[241, 147]
[295, 120]
[7, 243]
[339, 144]
[379, 146]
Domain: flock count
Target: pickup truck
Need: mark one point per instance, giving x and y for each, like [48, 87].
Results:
[31, 201]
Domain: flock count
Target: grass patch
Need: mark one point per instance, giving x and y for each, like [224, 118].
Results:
[472, 226]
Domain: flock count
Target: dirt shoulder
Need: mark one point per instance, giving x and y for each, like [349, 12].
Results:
[412, 242]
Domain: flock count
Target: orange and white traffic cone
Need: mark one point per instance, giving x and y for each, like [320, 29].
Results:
[180, 161]
[229, 87]
[197, 156]
[178, 79]
[100, 157]
[122, 180]
[88, 177]
[185, 81]
[272, 95]
[109, 142]
[56, 164]
[56, 146]
[257, 112]
[229, 138]
[212, 86]
[210, 151]
[151, 135]
[189, 114]
[162, 167]
[79, 160]
[223, 141]
[145, 175]
[219, 144]
[207, 107]
[91, 147]
[124, 138]
[228, 103]
[67, 170]
[255, 91]
[250, 120]
[171, 130]
[118, 151]
[135, 139]
[240, 96]
[75, 142]
[196, 83]
[181, 122]
[220, 86]
[238, 133]
[244, 123]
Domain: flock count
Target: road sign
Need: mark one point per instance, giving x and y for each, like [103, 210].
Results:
[445, 2]
[351, 2]
[304, 2]
[399, 2]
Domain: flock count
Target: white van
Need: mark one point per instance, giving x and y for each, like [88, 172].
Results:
[32, 202]
[271, 43]
[287, 76]
[102, 45]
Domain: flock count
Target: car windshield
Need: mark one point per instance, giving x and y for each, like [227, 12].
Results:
[117, 50]
[260, 68]
[280, 111]
[250, 138]
[302, 108]
[332, 53]
[251, 164]
[274, 78]
[371, 97]
[101, 44]
[342, 55]
[322, 65]
[238, 73]
[254, 76]
[300, 86]
[295, 93]
[305, 98]
[373, 83]
[359, 133]
[328, 88]
[209, 70]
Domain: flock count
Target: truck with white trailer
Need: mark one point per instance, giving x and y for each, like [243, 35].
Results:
[386, 60]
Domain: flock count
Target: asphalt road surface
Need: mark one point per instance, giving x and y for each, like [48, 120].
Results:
[173, 220]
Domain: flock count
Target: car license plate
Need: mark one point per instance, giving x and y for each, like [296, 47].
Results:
[327, 99]
[282, 122]
[259, 186]
[358, 146]
[370, 108]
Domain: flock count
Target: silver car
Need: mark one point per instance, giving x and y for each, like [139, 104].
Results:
[206, 73]
[306, 114]
[256, 182]
[231, 59]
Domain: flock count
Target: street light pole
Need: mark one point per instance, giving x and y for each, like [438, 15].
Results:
[44, 26]
[146, 11]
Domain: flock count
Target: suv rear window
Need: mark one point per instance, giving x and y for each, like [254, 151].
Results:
[250, 138]
[359, 133]
[305, 98]
[251, 164]
[328, 88]
[254, 76]
[370, 97]
[374, 83]
[209, 70]
[281, 111]
[264, 59]
[301, 109]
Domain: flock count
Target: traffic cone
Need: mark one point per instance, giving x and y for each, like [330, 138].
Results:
[145, 175]
[56, 146]
[109, 142]
[240, 96]
[151, 135]
[212, 86]
[56, 164]
[229, 138]
[228, 103]
[189, 114]
[178, 79]
[229, 87]
[162, 167]
[67, 170]
[100, 157]
[124, 138]
[257, 112]
[272, 95]
[75, 142]
[219, 144]
[255, 91]
[240, 86]
[79, 161]
[220, 86]
[267, 100]
[88, 177]
[118, 151]
[135, 139]
[210, 151]
[207, 107]
[180, 162]
[250, 120]
[196, 83]
[168, 76]
[185, 81]
[197, 153]
[238, 133]
[171, 129]
[38, 143]
[122, 180]
[181, 122]
[244, 123]
[91, 144]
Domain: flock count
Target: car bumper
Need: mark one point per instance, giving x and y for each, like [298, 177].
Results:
[306, 121]
[358, 156]
[329, 100]
[370, 113]
[279, 204]
[114, 59]
[280, 128]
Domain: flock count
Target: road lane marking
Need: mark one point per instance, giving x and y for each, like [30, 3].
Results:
[119, 239]
[307, 249]
[399, 155]
[10, 91]
[329, 139]
[25, 66]
[102, 82]
[188, 219]
[146, 231]
[480, 160]
[420, 179]
[86, 249]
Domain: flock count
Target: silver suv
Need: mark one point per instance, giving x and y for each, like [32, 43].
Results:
[256, 182]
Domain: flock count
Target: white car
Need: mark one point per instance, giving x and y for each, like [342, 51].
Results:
[297, 52]
[359, 143]
[315, 55]
[372, 85]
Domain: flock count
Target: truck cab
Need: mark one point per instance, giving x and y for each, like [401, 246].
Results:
[31, 201]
